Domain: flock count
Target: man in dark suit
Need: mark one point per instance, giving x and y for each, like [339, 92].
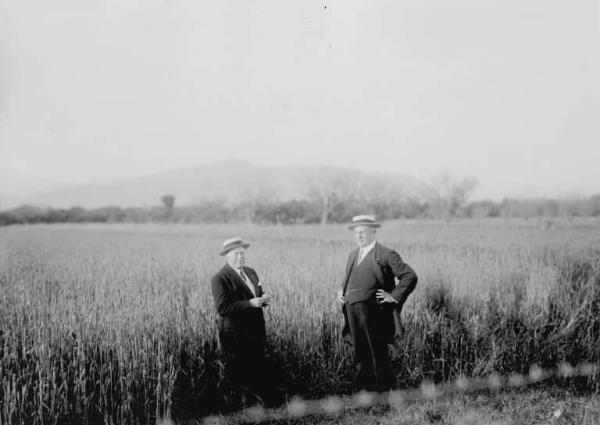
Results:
[239, 300]
[375, 287]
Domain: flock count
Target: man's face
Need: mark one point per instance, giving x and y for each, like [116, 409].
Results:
[236, 258]
[364, 235]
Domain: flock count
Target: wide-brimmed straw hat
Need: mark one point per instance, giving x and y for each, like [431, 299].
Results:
[233, 243]
[363, 220]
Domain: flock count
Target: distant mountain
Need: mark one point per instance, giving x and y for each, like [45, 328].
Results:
[234, 180]
[17, 187]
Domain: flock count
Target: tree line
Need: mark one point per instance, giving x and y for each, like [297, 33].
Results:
[304, 211]
[329, 198]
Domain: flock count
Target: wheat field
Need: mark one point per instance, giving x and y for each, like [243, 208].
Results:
[116, 324]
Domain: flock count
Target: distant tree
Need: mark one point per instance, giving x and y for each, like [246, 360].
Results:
[411, 207]
[254, 198]
[29, 214]
[572, 207]
[480, 209]
[300, 211]
[446, 195]
[136, 215]
[169, 203]
[8, 218]
[212, 211]
[334, 192]
[526, 208]
[287, 212]
[386, 199]
[56, 215]
[109, 214]
[76, 214]
[594, 206]
[548, 208]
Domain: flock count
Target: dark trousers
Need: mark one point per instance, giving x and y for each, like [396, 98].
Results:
[245, 360]
[368, 321]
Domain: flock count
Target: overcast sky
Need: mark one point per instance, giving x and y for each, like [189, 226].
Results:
[505, 91]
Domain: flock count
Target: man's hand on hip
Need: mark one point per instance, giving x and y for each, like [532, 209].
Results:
[385, 297]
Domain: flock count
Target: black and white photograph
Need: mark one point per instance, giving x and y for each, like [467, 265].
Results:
[299, 212]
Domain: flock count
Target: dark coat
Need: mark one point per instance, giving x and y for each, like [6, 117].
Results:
[239, 322]
[394, 276]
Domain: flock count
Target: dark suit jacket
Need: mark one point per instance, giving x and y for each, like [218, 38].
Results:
[393, 274]
[239, 322]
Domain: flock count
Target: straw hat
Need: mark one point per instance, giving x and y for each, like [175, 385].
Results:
[363, 220]
[233, 243]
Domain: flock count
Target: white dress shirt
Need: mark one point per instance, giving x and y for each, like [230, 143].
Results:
[362, 253]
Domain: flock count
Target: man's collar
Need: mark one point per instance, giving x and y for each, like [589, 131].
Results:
[368, 247]
[238, 271]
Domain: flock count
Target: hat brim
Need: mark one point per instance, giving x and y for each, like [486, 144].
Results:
[243, 245]
[353, 225]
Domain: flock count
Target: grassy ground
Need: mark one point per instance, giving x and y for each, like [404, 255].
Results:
[117, 323]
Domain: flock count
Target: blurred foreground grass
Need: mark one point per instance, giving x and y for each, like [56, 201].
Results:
[526, 407]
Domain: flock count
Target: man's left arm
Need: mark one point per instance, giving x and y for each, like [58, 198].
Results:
[406, 276]
[253, 276]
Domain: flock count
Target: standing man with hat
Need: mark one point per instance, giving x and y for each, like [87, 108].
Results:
[239, 300]
[370, 295]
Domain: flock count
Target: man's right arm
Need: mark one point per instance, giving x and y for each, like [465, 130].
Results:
[340, 295]
[223, 301]
[340, 292]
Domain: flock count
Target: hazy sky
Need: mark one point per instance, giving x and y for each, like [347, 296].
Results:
[505, 91]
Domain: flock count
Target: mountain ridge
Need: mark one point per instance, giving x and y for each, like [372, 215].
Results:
[233, 179]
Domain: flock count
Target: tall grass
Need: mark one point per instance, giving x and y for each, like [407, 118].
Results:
[117, 325]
